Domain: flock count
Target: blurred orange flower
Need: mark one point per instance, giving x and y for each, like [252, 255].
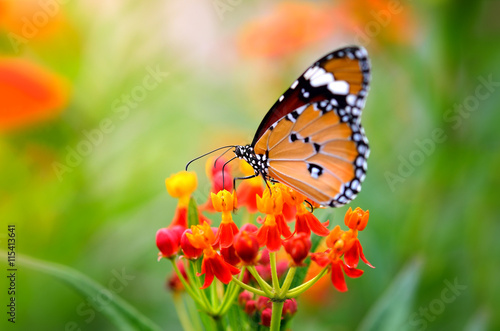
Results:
[29, 94]
[32, 19]
[289, 27]
[385, 21]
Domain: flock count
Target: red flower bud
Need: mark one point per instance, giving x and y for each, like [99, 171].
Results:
[173, 282]
[247, 246]
[250, 307]
[167, 241]
[190, 252]
[263, 303]
[298, 247]
[289, 308]
[244, 297]
[266, 317]
[264, 257]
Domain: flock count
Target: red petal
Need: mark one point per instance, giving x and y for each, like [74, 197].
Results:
[283, 227]
[321, 259]
[338, 279]
[351, 257]
[180, 217]
[225, 234]
[223, 270]
[301, 225]
[316, 226]
[203, 269]
[363, 258]
[273, 239]
[262, 234]
[351, 272]
[209, 275]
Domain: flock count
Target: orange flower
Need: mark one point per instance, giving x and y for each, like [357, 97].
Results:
[221, 180]
[29, 94]
[289, 27]
[181, 185]
[305, 220]
[213, 264]
[336, 241]
[356, 221]
[202, 236]
[225, 202]
[381, 20]
[274, 225]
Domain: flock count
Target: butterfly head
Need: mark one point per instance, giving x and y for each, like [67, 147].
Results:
[258, 162]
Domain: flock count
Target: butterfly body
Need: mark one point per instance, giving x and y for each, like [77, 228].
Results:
[312, 139]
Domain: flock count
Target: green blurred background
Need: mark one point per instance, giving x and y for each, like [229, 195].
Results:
[431, 118]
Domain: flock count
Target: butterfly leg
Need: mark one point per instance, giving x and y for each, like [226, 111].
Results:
[241, 178]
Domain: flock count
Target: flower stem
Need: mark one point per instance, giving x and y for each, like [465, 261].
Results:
[304, 287]
[276, 315]
[262, 283]
[213, 296]
[181, 312]
[249, 288]
[287, 282]
[191, 272]
[274, 272]
[231, 293]
[188, 288]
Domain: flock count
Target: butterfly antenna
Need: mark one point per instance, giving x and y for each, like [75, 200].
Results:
[215, 150]
[218, 157]
[224, 186]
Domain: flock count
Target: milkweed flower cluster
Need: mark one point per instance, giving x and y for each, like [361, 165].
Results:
[261, 264]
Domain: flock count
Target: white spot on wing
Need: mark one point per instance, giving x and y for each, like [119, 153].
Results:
[339, 87]
[310, 72]
[324, 79]
[294, 85]
[351, 99]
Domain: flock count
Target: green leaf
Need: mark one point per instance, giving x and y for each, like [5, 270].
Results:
[118, 311]
[193, 217]
[393, 309]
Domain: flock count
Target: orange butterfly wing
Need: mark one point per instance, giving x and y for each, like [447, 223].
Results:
[316, 154]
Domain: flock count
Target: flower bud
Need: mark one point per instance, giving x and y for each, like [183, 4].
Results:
[167, 241]
[263, 303]
[289, 308]
[173, 282]
[298, 247]
[247, 246]
[244, 297]
[265, 317]
[250, 307]
[190, 252]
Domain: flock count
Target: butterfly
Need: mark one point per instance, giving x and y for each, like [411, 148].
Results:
[312, 139]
